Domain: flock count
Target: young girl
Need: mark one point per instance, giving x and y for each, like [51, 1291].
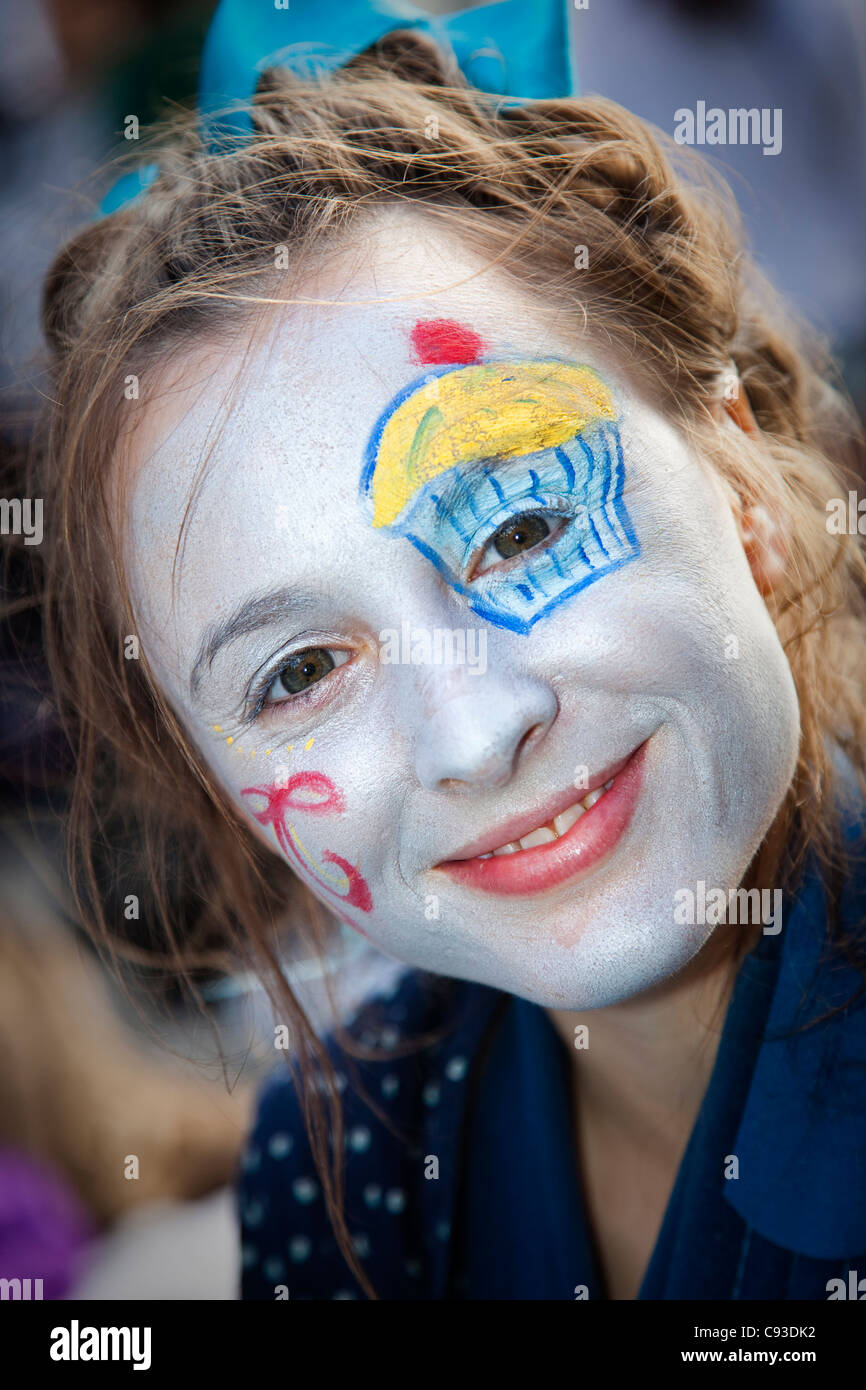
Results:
[440, 546]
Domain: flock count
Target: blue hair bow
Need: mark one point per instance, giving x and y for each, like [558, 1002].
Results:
[514, 48]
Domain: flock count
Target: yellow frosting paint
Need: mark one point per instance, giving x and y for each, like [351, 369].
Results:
[491, 410]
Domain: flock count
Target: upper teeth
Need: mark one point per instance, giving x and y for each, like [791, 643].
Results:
[552, 829]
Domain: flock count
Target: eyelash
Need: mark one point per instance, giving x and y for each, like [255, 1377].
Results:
[258, 702]
[560, 508]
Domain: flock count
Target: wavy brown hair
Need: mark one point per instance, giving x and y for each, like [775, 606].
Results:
[668, 283]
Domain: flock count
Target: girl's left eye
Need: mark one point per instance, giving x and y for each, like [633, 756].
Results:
[516, 536]
[301, 671]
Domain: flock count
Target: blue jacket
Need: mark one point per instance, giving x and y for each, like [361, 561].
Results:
[472, 1189]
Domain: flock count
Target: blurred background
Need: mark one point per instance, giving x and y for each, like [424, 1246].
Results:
[95, 1072]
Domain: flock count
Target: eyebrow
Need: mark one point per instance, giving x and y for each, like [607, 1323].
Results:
[264, 610]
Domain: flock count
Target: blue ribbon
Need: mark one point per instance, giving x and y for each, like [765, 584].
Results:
[517, 49]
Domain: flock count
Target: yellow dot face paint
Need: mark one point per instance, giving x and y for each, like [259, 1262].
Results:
[466, 451]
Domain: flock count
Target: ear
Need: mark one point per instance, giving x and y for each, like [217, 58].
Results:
[763, 536]
[764, 542]
[735, 403]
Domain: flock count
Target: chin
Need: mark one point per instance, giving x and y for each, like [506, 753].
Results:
[608, 966]
[624, 938]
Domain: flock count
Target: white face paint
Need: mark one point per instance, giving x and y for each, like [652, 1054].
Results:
[418, 764]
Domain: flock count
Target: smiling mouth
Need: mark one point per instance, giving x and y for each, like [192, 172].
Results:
[559, 848]
[552, 829]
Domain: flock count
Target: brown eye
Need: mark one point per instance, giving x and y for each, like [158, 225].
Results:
[302, 670]
[520, 533]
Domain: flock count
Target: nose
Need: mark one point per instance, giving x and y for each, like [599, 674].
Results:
[478, 728]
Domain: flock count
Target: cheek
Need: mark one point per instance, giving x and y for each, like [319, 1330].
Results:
[297, 814]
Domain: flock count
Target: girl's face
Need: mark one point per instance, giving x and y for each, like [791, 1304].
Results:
[450, 585]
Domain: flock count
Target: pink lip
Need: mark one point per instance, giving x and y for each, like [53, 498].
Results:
[537, 870]
[521, 825]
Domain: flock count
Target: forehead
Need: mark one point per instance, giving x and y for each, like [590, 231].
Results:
[257, 443]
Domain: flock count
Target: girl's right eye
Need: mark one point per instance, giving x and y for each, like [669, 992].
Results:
[301, 671]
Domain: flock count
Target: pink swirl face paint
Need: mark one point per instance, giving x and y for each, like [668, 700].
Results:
[312, 794]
